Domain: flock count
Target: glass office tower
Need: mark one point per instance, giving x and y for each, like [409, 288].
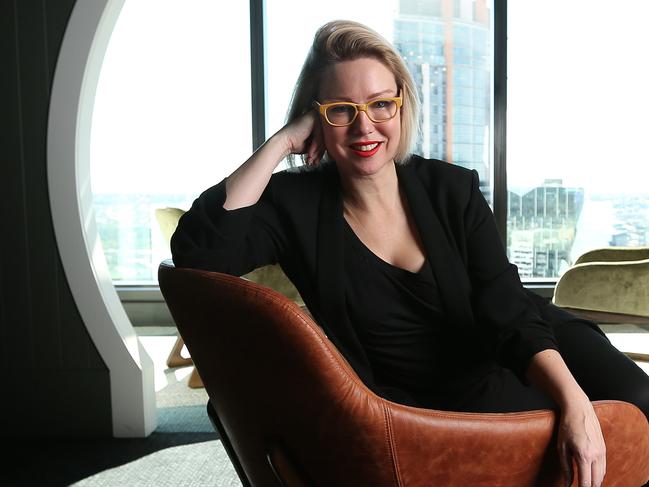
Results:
[541, 228]
[447, 45]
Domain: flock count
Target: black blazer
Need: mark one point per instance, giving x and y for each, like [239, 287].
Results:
[298, 222]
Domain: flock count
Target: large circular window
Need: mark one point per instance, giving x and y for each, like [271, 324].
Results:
[172, 116]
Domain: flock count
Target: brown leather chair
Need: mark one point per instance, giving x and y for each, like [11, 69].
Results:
[292, 412]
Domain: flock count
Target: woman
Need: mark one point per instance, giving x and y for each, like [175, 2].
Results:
[398, 257]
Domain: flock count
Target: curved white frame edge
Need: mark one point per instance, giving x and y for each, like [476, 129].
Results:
[84, 44]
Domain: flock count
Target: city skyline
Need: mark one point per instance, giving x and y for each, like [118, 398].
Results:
[134, 246]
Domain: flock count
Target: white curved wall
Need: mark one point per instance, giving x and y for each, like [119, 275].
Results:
[68, 153]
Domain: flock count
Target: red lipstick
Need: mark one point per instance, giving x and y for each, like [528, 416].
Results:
[366, 148]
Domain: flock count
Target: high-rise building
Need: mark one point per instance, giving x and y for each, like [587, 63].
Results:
[447, 45]
[541, 228]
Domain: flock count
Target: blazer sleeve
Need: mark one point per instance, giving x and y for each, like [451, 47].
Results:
[500, 301]
[230, 241]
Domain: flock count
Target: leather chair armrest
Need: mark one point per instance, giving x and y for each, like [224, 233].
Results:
[508, 448]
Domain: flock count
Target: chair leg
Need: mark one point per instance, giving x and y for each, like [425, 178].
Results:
[175, 359]
[640, 357]
[195, 381]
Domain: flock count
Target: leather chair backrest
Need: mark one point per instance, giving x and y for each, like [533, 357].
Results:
[286, 397]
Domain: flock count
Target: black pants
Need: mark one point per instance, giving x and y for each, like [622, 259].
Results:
[602, 371]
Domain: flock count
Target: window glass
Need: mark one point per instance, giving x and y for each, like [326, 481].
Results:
[288, 41]
[577, 168]
[172, 113]
[424, 32]
[171, 117]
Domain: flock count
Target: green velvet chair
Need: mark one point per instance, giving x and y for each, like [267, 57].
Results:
[609, 286]
[611, 283]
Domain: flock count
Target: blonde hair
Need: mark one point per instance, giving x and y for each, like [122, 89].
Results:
[345, 40]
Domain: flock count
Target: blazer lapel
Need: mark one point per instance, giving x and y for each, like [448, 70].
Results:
[452, 280]
[330, 266]
[330, 277]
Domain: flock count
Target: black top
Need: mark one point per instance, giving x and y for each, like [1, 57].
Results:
[398, 316]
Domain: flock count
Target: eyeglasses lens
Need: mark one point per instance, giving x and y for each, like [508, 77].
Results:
[382, 110]
[341, 114]
[378, 111]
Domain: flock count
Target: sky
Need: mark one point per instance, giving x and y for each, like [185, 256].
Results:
[172, 110]
[172, 107]
[578, 105]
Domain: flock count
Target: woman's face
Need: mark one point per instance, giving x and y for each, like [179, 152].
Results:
[353, 146]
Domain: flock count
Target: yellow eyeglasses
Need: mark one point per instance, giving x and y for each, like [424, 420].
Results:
[343, 113]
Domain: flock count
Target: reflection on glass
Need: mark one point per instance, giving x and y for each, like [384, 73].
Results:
[577, 102]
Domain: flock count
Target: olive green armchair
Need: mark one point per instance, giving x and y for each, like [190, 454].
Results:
[610, 286]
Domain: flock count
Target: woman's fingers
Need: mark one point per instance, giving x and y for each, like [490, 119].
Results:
[584, 473]
[312, 151]
[299, 132]
[580, 437]
[591, 466]
[304, 136]
[316, 146]
[591, 472]
[597, 466]
[565, 458]
[598, 472]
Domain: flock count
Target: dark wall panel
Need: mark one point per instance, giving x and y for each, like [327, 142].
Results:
[58, 385]
[41, 246]
[15, 278]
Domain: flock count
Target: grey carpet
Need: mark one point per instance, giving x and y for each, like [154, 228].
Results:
[183, 451]
[197, 464]
[182, 409]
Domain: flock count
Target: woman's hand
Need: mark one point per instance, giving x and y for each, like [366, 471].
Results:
[580, 437]
[304, 136]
